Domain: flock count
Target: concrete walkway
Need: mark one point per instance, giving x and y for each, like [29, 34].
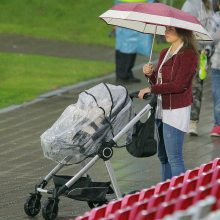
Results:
[22, 163]
[28, 45]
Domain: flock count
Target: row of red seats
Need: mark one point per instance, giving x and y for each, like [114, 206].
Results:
[156, 207]
[164, 198]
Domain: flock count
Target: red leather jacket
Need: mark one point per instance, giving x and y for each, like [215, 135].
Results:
[177, 75]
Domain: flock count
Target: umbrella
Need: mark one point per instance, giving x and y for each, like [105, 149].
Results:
[153, 18]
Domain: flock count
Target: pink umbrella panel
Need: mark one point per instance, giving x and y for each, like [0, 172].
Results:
[153, 18]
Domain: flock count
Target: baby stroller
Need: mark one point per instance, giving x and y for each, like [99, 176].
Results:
[89, 129]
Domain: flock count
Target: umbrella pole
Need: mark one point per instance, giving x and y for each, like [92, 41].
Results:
[152, 45]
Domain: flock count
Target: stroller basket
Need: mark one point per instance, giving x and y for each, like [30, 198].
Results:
[84, 189]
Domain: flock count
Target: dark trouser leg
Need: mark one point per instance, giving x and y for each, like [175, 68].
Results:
[132, 58]
[197, 88]
[124, 63]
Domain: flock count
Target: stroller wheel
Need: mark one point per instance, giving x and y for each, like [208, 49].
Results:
[32, 205]
[93, 204]
[50, 209]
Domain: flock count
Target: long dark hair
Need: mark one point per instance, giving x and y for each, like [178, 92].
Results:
[188, 38]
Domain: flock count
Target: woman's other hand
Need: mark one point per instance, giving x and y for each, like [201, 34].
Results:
[143, 92]
[148, 69]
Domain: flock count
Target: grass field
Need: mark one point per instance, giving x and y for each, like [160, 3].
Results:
[24, 77]
[73, 21]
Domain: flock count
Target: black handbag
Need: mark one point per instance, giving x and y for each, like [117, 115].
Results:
[143, 142]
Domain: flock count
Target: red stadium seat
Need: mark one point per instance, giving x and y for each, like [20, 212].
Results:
[176, 180]
[146, 193]
[189, 186]
[129, 200]
[97, 213]
[137, 208]
[216, 174]
[204, 179]
[155, 201]
[146, 215]
[204, 168]
[122, 214]
[165, 209]
[110, 217]
[173, 193]
[113, 206]
[202, 193]
[82, 217]
[191, 174]
[215, 163]
[184, 202]
[162, 187]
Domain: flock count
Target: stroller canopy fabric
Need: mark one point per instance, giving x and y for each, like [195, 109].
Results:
[99, 114]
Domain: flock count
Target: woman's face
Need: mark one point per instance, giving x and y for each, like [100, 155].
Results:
[171, 35]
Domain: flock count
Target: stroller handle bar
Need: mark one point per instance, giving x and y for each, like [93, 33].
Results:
[147, 96]
[135, 95]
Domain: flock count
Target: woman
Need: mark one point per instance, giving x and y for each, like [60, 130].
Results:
[172, 82]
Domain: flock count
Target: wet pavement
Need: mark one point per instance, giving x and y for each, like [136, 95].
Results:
[14, 43]
[22, 163]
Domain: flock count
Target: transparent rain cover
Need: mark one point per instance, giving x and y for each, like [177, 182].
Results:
[99, 114]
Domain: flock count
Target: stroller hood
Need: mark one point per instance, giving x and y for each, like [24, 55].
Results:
[99, 114]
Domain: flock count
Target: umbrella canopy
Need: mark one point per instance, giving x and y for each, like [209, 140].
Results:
[153, 18]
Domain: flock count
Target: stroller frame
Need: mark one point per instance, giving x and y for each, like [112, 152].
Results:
[50, 208]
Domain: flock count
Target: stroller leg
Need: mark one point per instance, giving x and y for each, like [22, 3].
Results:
[57, 168]
[40, 187]
[113, 179]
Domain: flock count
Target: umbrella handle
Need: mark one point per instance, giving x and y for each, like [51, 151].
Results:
[151, 52]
